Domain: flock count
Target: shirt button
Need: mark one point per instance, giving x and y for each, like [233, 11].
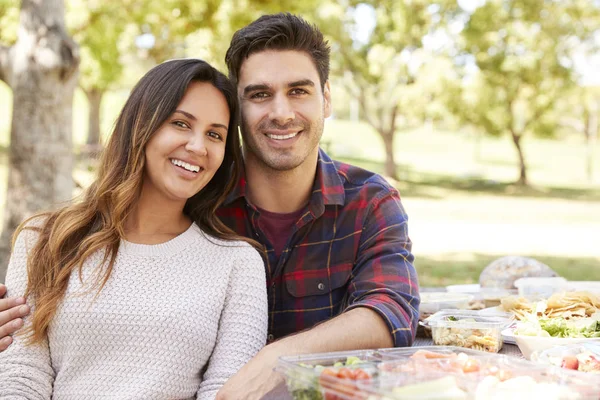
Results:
[321, 286]
[270, 337]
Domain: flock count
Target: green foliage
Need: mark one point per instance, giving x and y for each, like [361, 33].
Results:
[9, 21]
[523, 51]
[97, 28]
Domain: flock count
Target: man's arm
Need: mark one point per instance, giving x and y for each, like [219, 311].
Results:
[360, 328]
[12, 310]
[383, 277]
[383, 301]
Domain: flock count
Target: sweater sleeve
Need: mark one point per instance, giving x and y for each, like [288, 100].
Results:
[25, 370]
[243, 324]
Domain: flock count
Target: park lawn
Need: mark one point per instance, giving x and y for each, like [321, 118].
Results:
[463, 209]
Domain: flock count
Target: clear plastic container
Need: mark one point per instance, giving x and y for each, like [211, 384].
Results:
[582, 357]
[476, 376]
[469, 329]
[431, 373]
[540, 287]
[432, 302]
[492, 297]
[329, 375]
[584, 286]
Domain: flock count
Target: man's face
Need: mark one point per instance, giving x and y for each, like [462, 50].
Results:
[283, 108]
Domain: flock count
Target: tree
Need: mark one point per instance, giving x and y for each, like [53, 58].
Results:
[378, 68]
[41, 69]
[523, 52]
[97, 27]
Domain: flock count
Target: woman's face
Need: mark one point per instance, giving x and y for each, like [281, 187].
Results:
[188, 149]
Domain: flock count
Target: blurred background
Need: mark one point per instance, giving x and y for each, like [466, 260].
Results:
[483, 113]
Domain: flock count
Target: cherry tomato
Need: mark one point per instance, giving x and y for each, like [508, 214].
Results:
[570, 362]
[471, 366]
[345, 373]
[360, 375]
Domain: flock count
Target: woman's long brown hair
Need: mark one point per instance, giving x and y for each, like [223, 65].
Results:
[68, 236]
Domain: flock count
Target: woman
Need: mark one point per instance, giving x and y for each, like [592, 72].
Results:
[138, 291]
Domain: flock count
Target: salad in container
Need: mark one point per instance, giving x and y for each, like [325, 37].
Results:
[563, 319]
[328, 376]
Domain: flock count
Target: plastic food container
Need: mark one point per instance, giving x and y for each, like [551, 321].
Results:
[472, 288]
[328, 375]
[529, 345]
[432, 302]
[582, 357]
[431, 373]
[469, 329]
[584, 286]
[540, 287]
[481, 377]
[493, 296]
[452, 373]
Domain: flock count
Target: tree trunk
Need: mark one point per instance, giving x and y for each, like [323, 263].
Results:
[94, 97]
[390, 169]
[523, 167]
[42, 72]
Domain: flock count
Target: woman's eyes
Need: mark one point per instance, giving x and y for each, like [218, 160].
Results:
[185, 125]
[215, 135]
[180, 124]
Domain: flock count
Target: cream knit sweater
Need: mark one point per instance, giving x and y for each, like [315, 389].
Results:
[167, 312]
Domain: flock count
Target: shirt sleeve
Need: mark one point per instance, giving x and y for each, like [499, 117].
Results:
[25, 370]
[243, 324]
[383, 277]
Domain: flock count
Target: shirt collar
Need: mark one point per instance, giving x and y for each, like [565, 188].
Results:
[328, 188]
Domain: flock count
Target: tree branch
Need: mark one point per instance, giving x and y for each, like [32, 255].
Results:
[4, 67]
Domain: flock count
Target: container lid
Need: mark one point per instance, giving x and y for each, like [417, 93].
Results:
[469, 319]
[535, 281]
[445, 297]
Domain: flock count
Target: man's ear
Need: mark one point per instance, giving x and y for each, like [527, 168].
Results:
[327, 108]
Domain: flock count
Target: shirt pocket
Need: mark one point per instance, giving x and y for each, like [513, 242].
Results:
[320, 282]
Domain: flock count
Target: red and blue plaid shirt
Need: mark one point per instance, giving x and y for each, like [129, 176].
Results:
[350, 248]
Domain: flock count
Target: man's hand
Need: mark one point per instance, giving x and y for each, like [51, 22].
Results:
[256, 378]
[12, 310]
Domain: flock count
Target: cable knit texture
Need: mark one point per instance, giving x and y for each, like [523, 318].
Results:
[167, 312]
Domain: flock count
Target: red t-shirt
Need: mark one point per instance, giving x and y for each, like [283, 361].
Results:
[277, 228]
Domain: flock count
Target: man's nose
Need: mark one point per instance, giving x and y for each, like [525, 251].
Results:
[282, 111]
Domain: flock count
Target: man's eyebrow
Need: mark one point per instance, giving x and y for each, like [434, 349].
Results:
[258, 86]
[302, 82]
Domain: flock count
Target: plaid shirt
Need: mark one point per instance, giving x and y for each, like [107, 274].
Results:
[350, 248]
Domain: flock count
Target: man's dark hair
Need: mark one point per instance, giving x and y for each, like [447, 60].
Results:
[282, 31]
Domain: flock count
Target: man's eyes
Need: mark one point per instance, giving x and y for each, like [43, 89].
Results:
[292, 92]
[298, 91]
[259, 95]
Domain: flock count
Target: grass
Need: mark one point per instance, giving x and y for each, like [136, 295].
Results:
[464, 210]
[433, 270]
[456, 187]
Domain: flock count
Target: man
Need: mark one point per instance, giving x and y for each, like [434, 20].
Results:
[336, 247]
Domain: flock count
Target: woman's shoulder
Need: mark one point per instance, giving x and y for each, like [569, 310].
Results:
[29, 231]
[219, 242]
